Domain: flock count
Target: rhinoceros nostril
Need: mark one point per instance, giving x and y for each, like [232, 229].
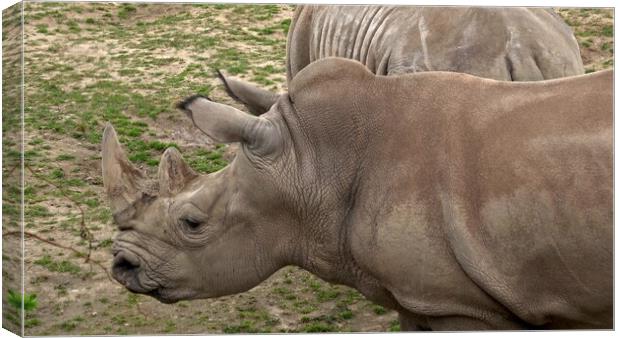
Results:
[125, 263]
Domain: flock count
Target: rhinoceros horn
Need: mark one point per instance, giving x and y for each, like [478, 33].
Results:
[173, 173]
[122, 181]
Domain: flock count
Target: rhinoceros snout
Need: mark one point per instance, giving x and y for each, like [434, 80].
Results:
[125, 269]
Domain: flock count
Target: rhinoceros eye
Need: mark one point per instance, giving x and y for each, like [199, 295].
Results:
[191, 223]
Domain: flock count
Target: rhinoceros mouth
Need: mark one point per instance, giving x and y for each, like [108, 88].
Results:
[161, 296]
[126, 269]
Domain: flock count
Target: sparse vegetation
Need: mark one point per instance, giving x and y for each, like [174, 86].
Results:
[593, 29]
[28, 302]
[378, 309]
[58, 266]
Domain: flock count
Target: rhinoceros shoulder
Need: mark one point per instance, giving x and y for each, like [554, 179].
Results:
[329, 70]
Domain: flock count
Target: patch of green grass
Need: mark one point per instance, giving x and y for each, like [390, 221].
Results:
[238, 68]
[10, 210]
[11, 318]
[42, 28]
[207, 161]
[30, 193]
[286, 293]
[145, 152]
[200, 88]
[285, 25]
[232, 60]
[76, 9]
[304, 307]
[119, 319]
[583, 33]
[31, 153]
[350, 297]
[608, 30]
[264, 12]
[170, 326]
[126, 10]
[394, 326]
[222, 6]
[31, 322]
[266, 31]
[132, 299]
[584, 12]
[138, 320]
[327, 295]
[29, 301]
[606, 46]
[65, 157]
[251, 314]
[161, 146]
[378, 309]
[93, 202]
[73, 27]
[102, 215]
[37, 211]
[71, 324]
[203, 43]
[586, 43]
[57, 266]
[106, 243]
[262, 80]
[346, 314]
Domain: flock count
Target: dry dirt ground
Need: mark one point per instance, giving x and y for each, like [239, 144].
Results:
[129, 64]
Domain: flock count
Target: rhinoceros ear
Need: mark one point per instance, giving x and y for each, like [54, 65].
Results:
[173, 173]
[227, 124]
[255, 99]
[122, 181]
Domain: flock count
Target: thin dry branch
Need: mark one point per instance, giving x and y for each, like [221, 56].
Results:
[84, 231]
[10, 171]
[77, 252]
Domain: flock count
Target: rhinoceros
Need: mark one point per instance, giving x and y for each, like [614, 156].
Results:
[487, 206]
[510, 44]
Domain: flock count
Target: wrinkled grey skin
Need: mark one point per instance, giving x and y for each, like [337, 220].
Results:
[488, 206]
[508, 44]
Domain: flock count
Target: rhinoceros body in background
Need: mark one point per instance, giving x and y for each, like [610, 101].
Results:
[509, 44]
[488, 205]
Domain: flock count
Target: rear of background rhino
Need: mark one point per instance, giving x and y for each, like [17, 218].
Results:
[506, 44]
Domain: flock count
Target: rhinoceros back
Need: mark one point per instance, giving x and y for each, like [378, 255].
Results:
[513, 44]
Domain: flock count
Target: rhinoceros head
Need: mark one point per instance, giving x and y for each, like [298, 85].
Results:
[187, 236]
